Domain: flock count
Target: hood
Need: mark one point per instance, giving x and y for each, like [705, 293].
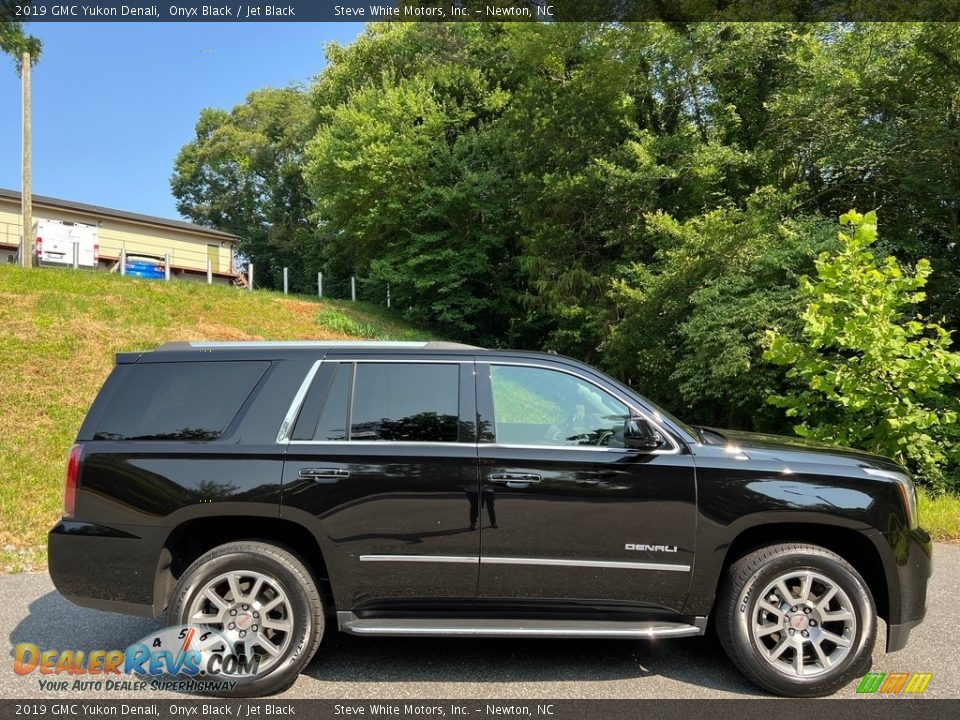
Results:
[783, 447]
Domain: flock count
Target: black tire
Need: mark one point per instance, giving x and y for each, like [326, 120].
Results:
[741, 620]
[297, 583]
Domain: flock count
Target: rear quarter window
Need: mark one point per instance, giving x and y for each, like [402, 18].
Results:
[178, 401]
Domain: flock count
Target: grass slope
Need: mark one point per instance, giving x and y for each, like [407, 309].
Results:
[59, 331]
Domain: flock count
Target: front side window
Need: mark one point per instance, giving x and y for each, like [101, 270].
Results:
[406, 402]
[538, 406]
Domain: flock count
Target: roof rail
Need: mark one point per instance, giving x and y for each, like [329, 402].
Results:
[317, 344]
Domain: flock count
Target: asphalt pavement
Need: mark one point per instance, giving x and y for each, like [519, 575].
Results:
[348, 667]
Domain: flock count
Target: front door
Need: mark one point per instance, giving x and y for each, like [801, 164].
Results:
[381, 464]
[570, 517]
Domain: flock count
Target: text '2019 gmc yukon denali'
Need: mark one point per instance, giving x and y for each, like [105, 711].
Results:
[262, 490]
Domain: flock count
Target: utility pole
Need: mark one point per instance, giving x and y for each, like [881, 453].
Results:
[26, 197]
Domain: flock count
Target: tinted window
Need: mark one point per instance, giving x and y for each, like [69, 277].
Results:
[332, 424]
[535, 406]
[178, 401]
[406, 401]
[329, 395]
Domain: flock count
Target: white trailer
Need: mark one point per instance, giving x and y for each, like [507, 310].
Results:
[56, 241]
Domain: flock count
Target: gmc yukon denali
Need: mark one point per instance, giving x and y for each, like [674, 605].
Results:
[262, 490]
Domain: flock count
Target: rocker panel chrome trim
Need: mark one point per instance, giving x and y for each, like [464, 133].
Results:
[509, 627]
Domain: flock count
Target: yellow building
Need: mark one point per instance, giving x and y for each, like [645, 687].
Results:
[189, 246]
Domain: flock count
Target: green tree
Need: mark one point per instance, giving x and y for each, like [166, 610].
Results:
[242, 174]
[692, 320]
[395, 178]
[868, 372]
[14, 41]
[631, 121]
[873, 119]
[641, 195]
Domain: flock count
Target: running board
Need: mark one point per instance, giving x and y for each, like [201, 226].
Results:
[433, 627]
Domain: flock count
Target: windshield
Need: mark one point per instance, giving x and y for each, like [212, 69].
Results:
[659, 413]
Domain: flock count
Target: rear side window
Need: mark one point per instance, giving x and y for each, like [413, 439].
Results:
[178, 401]
[406, 402]
[332, 424]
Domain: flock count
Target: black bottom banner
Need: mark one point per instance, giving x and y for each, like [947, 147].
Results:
[257, 709]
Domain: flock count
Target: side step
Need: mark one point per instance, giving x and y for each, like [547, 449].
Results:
[436, 627]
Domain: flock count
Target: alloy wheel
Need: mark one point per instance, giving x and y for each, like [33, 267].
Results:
[804, 623]
[251, 610]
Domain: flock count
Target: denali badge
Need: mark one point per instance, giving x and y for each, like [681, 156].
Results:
[650, 548]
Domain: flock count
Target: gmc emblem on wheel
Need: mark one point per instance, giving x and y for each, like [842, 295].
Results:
[639, 547]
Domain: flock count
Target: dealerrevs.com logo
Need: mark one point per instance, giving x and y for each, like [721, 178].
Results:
[894, 683]
[179, 658]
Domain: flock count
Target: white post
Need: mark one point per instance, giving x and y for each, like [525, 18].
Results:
[123, 260]
[353, 288]
[250, 276]
[286, 278]
[319, 284]
[209, 272]
[76, 255]
[388, 296]
[166, 267]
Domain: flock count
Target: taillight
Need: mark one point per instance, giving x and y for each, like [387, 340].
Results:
[39, 246]
[70, 488]
[96, 252]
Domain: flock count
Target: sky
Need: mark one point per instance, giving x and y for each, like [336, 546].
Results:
[113, 103]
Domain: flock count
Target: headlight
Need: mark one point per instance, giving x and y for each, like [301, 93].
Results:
[908, 491]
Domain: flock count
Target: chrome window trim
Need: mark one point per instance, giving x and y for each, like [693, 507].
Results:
[385, 443]
[673, 450]
[588, 448]
[286, 427]
[397, 361]
[543, 562]
[448, 443]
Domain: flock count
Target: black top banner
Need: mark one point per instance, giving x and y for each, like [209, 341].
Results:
[547, 11]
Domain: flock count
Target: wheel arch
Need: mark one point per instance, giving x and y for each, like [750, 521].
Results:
[857, 548]
[192, 538]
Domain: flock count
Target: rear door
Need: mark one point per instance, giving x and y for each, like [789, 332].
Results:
[382, 463]
[571, 517]
[55, 242]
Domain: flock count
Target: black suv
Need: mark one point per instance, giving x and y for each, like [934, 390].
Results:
[264, 489]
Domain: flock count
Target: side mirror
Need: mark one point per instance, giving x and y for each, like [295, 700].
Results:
[639, 435]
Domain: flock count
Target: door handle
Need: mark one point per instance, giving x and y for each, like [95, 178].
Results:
[505, 478]
[323, 473]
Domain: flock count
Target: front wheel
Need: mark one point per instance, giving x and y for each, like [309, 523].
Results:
[798, 620]
[263, 601]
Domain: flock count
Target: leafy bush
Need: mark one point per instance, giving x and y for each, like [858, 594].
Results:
[869, 372]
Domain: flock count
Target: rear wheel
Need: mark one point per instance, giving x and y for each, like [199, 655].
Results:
[263, 601]
[797, 619]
